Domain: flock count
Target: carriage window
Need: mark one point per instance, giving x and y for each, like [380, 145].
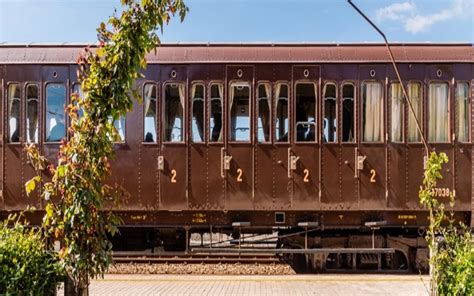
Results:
[150, 111]
[32, 107]
[215, 117]
[305, 119]
[372, 112]
[263, 105]
[281, 122]
[438, 113]
[348, 113]
[414, 94]
[462, 112]
[330, 118]
[174, 113]
[119, 125]
[76, 88]
[239, 105]
[14, 113]
[197, 129]
[396, 123]
[55, 116]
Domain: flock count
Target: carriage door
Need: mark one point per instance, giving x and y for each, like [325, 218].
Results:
[149, 148]
[2, 141]
[441, 135]
[173, 159]
[304, 155]
[239, 153]
[197, 166]
[371, 155]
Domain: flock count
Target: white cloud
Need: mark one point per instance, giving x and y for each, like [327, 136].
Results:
[415, 22]
[394, 11]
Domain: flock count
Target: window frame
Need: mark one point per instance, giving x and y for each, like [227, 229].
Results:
[191, 110]
[45, 104]
[421, 120]
[338, 138]
[450, 134]
[163, 102]
[25, 111]
[274, 112]
[243, 83]
[361, 106]
[404, 108]
[223, 112]
[456, 82]
[7, 113]
[143, 115]
[353, 83]
[316, 114]
[270, 140]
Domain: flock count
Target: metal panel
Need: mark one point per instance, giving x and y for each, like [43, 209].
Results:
[306, 173]
[372, 174]
[240, 175]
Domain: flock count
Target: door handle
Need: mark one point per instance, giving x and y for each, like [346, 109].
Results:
[292, 161]
[359, 162]
[225, 162]
[161, 163]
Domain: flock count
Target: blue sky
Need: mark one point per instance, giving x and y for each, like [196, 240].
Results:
[25, 21]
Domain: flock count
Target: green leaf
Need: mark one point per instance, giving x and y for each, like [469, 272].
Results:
[31, 184]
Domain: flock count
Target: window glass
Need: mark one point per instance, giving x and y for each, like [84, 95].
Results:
[396, 123]
[462, 112]
[32, 114]
[414, 94]
[263, 106]
[197, 124]
[438, 113]
[330, 117]
[14, 113]
[78, 90]
[119, 125]
[348, 113]
[215, 117]
[305, 119]
[239, 106]
[149, 111]
[55, 115]
[372, 112]
[174, 113]
[281, 121]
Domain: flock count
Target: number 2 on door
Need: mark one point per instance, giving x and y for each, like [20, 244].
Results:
[372, 176]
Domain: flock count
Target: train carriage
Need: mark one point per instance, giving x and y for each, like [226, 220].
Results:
[262, 138]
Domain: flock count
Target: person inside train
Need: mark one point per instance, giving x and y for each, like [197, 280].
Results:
[149, 137]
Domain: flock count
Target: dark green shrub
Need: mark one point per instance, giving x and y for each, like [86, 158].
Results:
[26, 268]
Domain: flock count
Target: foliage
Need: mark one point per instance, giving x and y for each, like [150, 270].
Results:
[26, 266]
[449, 241]
[78, 214]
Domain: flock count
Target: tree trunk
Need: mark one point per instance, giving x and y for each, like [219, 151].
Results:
[71, 290]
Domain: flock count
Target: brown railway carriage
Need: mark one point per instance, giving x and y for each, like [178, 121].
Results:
[271, 134]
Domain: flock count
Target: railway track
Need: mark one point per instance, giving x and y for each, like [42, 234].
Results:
[195, 258]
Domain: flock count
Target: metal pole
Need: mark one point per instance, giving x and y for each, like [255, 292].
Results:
[405, 95]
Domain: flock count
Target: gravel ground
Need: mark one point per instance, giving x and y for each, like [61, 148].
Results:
[208, 269]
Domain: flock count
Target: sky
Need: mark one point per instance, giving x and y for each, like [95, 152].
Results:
[74, 21]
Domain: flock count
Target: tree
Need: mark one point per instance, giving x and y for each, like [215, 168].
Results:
[449, 241]
[78, 216]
